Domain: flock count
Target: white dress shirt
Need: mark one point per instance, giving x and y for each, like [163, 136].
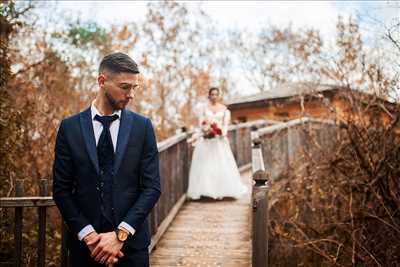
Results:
[114, 129]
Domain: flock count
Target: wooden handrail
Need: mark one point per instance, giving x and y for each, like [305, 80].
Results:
[13, 202]
[173, 140]
[283, 125]
[251, 123]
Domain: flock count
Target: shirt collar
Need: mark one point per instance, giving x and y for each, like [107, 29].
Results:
[95, 112]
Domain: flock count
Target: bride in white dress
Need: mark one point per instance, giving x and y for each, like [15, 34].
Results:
[213, 171]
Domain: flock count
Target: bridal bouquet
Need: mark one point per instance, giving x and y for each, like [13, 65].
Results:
[210, 130]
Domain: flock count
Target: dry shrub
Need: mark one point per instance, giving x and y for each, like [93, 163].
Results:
[344, 210]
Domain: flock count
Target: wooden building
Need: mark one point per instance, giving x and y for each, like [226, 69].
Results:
[291, 101]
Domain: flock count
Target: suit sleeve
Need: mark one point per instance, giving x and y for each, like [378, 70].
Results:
[63, 184]
[150, 180]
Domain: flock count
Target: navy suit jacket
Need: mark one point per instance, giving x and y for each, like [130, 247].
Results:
[136, 179]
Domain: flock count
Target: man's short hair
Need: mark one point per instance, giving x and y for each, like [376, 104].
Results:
[117, 63]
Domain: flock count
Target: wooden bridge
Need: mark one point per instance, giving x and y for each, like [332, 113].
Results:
[208, 233]
[195, 233]
[203, 232]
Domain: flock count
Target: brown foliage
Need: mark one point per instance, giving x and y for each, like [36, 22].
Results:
[345, 210]
[54, 76]
[33, 100]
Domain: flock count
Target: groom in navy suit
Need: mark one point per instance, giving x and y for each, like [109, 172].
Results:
[106, 173]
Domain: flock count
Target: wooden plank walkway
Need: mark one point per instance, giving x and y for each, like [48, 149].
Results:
[208, 233]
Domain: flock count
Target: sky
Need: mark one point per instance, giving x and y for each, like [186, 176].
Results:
[247, 15]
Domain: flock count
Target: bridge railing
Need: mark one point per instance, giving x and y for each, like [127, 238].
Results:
[278, 150]
[42, 203]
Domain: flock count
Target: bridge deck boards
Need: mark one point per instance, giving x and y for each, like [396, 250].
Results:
[208, 233]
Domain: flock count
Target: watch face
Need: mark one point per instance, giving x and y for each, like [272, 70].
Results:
[122, 236]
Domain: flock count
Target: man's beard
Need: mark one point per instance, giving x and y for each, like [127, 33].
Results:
[116, 105]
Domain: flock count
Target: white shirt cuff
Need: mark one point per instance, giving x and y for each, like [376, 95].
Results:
[85, 231]
[127, 227]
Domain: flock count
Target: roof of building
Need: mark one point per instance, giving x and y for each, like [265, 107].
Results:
[283, 91]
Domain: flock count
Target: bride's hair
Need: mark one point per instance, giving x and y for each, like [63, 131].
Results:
[212, 89]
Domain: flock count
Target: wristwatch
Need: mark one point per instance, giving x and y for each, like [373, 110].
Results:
[122, 234]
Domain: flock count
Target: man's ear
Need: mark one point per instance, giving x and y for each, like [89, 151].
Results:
[101, 80]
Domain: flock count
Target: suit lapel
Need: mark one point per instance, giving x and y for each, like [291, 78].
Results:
[88, 135]
[123, 137]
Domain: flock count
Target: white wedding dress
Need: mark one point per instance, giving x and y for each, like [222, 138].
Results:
[213, 171]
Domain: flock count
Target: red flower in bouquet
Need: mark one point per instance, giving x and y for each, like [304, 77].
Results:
[209, 135]
[210, 130]
[215, 129]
